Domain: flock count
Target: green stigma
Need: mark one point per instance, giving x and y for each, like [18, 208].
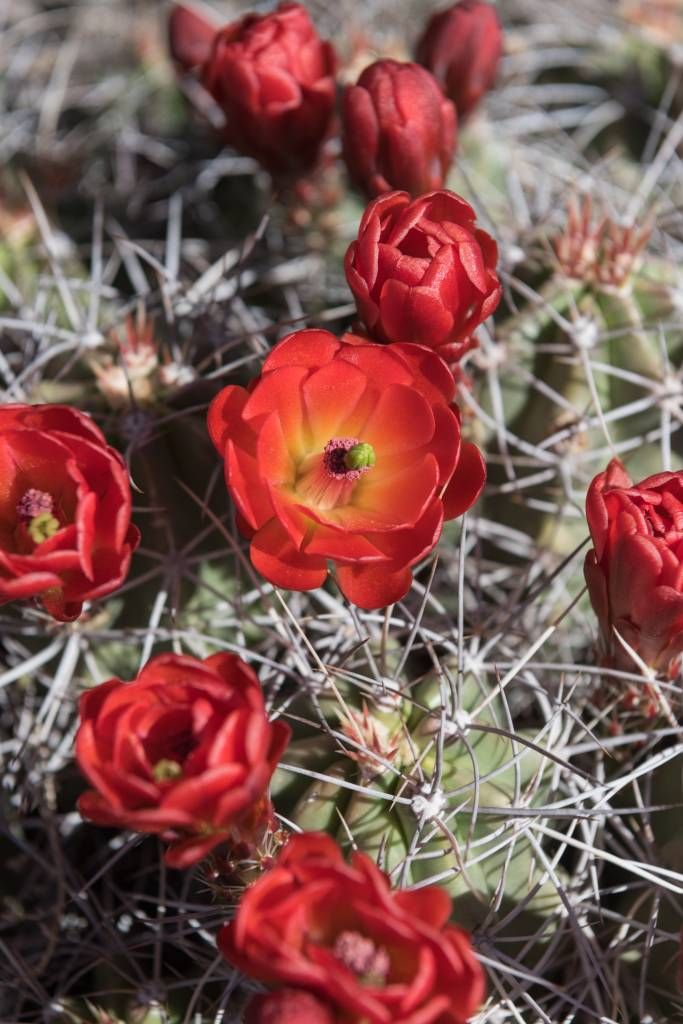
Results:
[167, 770]
[42, 526]
[361, 456]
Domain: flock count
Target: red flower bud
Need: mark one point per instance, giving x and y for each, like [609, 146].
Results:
[65, 507]
[461, 46]
[185, 750]
[338, 930]
[345, 452]
[273, 78]
[422, 271]
[399, 130]
[288, 1006]
[635, 570]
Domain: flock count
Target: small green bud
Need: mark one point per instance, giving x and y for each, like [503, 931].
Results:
[361, 456]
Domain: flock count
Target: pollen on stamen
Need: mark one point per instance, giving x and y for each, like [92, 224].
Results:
[333, 458]
[34, 503]
[346, 458]
[360, 954]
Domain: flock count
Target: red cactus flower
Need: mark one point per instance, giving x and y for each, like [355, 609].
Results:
[635, 570]
[185, 750]
[288, 1006]
[420, 270]
[337, 930]
[399, 129]
[462, 46]
[345, 452]
[271, 75]
[65, 505]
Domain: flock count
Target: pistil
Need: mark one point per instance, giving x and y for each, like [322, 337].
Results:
[328, 481]
[167, 770]
[35, 511]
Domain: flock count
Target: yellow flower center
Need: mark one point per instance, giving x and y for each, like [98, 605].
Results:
[166, 770]
[327, 481]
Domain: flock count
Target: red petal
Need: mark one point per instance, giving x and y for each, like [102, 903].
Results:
[275, 557]
[279, 392]
[408, 546]
[371, 586]
[431, 905]
[224, 420]
[275, 463]
[596, 510]
[414, 314]
[467, 482]
[399, 499]
[311, 348]
[51, 419]
[402, 421]
[246, 487]
[187, 852]
[331, 395]
[28, 585]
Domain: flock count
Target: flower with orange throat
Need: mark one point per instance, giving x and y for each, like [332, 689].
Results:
[185, 751]
[348, 453]
[337, 930]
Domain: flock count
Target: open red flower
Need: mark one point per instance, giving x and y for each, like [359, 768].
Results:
[337, 930]
[399, 129]
[421, 271]
[271, 75]
[635, 570]
[65, 506]
[185, 750]
[345, 452]
[462, 46]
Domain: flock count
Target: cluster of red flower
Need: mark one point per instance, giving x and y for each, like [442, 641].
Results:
[186, 751]
[273, 79]
[344, 453]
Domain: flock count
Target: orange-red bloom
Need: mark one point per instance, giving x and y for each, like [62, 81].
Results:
[422, 271]
[65, 506]
[337, 930]
[271, 75]
[635, 570]
[345, 452]
[185, 750]
[462, 46]
[399, 129]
